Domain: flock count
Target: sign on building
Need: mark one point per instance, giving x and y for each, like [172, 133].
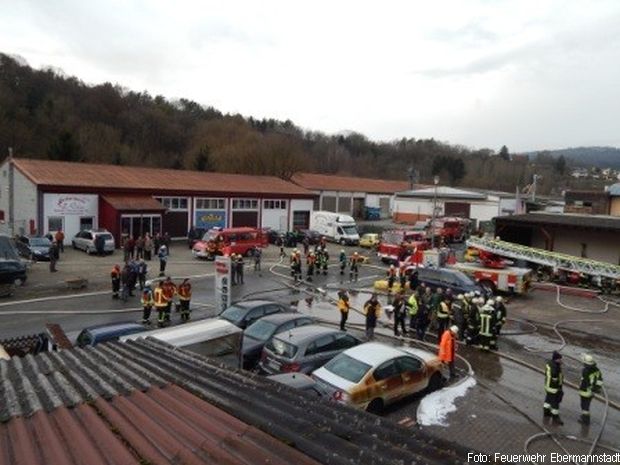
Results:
[208, 219]
[222, 283]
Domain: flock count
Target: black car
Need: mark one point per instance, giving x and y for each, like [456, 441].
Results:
[447, 278]
[12, 270]
[244, 313]
[314, 237]
[259, 332]
[33, 248]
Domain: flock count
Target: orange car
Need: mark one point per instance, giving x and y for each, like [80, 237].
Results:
[373, 375]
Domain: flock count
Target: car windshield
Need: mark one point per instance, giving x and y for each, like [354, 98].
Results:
[261, 330]
[463, 278]
[39, 242]
[348, 368]
[283, 348]
[234, 313]
[350, 230]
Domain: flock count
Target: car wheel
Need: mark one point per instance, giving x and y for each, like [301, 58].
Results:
[376, 406]
[435, 383]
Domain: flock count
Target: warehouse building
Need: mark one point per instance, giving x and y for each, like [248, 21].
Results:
[581, 235]
[602, 202]
[351, 195]
[41, 196]
[478, 205]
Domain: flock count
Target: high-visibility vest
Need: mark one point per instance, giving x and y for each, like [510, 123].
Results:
[343, 305]
[169, 290]
[591, 381]
[412, 303]
[115, 273]
[553, 377]
[160, 298]
[185, 291]
[446, 347]
[147, 298]
[443, 311]
[485, 324]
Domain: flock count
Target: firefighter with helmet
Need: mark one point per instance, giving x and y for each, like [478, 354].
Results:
[591, 383]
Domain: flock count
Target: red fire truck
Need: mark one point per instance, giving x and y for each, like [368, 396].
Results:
[228, 241]
[398, 244]
[450, 229]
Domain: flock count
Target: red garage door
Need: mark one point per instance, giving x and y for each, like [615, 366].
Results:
[175, 224]
[461, 209]
[240, 219]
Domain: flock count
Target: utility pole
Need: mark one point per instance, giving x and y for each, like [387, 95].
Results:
[11, 193]
[435, 182]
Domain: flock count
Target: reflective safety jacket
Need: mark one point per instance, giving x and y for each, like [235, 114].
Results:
[169, 289]
[343, 304]
[553, 377]
[147, 298]
[412, 304]
[486, 322]
[159, 297]
[447, 346]
[115, 273]
[501, 313]
[591, 381]
[311, 260]
[185, 291]
[443, 311]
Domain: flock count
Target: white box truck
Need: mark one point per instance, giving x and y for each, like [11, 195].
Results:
[335, 227]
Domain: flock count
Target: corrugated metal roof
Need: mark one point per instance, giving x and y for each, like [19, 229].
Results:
[325, 182]
[133, 202]
[167, 405]
[443, 192]
[606, 222]
[93, 176]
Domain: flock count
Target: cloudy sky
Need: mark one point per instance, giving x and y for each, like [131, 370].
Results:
[528, 74]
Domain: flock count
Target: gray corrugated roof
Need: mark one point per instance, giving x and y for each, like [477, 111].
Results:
[614, 190]
[328, 432]
[607, 222]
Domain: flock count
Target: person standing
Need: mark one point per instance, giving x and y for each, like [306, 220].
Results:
[473, 322]
[258, 255]
[398, 304]
[148, 247]
[100, 245]
[162, 254]
[323, 262]
[53, 253]
[342, 259]
[501, 314]
[306, 245]
[447, 348]
[125, 282]
[161, 302]
[185, 296]
[240, 266]
[554, 379]
[142, 270]
[115, 275]
[59, 237]
[412, 309]
[391, 277]
[424, 312]
[457, 314]
[140, 248]
[487, 320]
[310, 262]
[354, 270]
[443, 315]
[233, 269]
[170, 290]
[591, 383]
[147, 301]
[344, 306]
[414, 281]
[372, 310]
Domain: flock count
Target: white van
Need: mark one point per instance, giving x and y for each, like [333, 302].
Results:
[212, 338]
[335, 227]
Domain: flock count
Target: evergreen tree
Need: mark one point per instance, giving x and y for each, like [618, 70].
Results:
[504, 154]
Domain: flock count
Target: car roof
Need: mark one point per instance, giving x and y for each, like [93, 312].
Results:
[374, 353]
[253, 303]
[279, 318]
[99, 329]
[305, 333]
[296, 380]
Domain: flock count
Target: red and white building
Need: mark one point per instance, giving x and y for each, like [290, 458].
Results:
[41, 196]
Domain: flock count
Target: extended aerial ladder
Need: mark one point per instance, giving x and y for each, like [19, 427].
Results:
[554, 260]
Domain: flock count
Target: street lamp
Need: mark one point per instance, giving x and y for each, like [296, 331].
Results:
[435, 182]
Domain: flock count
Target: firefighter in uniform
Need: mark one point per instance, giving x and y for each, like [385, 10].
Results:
[161, 303]
[434, 304]
[458, 313]
[424, 313]
[372, 310]
[310, 262]
[354, 263]
[185, 296]
[443, 316]
[115, 274]
[342, 259]
[473, 322]
[591, 382]
[391, 277]
[322, 262]
[501, 313]
[146, 299]
[170, 290]
[485, 335]
[400, 313]
[447, 348]
[553, 388]
[343, 307]
[412, 307]
[296, 265]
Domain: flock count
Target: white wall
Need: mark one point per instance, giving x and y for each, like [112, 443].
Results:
[24, 201]
[275, 218]
[601, 246]
[372, 200]
[483, 210]
[415, 206]
[71, 207]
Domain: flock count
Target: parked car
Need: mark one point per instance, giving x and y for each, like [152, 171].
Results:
[369, 240]
[33, 248]
[244, 313]
[227, 241]
[12, 270]
[196, 235]
[85, 240]
[448, 278]
[314, 237]
[109, 332]
[301, 382]
[373, 375]
[304, 349]
[259, 332]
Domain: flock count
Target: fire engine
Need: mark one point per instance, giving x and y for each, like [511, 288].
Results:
[398, 244]
[451, 229]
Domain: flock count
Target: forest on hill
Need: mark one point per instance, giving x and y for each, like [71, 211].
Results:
[45, 114]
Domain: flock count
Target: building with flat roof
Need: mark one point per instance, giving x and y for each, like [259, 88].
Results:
[41, 196]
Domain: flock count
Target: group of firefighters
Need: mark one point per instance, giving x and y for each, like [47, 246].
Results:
[317, 262]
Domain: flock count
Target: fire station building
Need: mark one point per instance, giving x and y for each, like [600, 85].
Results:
[41, 196]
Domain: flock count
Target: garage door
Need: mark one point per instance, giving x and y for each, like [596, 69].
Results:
[175, 224]
[240, 219]
[344, 205]
[358, 208]
[384, 204]
[461, 209]
[329, 204]
[301, 219]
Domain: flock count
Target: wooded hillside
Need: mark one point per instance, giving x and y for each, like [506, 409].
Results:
[44, 114]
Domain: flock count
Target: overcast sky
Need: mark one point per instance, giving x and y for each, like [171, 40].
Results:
[528, 74]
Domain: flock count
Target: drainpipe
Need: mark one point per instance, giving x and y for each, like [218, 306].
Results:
[11, 193]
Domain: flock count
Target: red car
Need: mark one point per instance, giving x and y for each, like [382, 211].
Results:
[229, 241]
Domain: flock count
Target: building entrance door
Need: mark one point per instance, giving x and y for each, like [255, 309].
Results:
[139, 225]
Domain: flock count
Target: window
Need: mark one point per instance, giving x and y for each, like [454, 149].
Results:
[210, 204]
[244, 204]
[323, 344]
[385, 371]
[54, 223]
[274, 204]
[86, 222]
[173, 203]
[409, 365]
[344, 341]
